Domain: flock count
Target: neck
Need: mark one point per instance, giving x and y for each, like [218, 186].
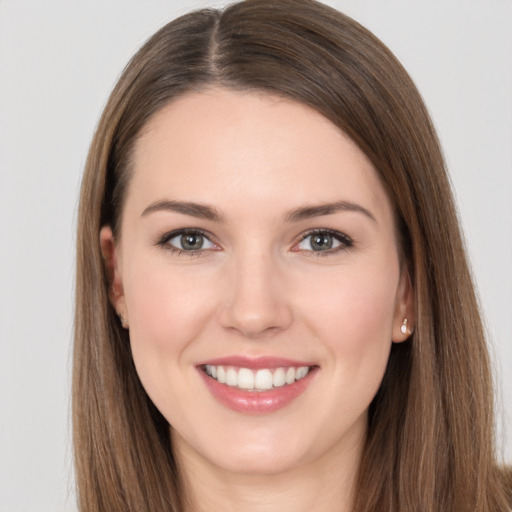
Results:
[323, 485]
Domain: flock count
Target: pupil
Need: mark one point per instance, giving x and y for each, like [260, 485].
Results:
[320, 242]
[192, 241]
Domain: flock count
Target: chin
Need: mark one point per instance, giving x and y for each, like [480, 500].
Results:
[263, 462]
[247, 450]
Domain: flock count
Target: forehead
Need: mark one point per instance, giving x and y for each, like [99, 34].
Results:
[239, 147]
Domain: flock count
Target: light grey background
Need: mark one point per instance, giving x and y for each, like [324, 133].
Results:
[59, 60]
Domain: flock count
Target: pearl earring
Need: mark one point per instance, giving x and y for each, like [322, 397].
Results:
[403, 328]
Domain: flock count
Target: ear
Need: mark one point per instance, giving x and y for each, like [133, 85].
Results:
[111, 258]
[405, 318]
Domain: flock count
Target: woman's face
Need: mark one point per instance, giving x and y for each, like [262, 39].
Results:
[258, 272]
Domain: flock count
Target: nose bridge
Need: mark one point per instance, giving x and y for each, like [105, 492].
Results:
[256, 301]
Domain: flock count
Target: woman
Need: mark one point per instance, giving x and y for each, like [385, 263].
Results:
[274, 309]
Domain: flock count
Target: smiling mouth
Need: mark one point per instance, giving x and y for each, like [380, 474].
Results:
[264, 379]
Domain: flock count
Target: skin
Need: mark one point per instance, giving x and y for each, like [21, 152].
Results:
[257, 288]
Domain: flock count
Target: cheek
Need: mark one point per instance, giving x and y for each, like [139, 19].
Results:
[166, 306]
[353, 306]
[354, 323]
[167, 309]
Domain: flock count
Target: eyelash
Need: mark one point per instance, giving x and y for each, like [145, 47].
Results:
[345, 242]
[164, 242]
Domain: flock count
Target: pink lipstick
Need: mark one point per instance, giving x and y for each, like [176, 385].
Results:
[256, 385]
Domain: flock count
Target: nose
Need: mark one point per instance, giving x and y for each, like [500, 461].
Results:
[256, 304]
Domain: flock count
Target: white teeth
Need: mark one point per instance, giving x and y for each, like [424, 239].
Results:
[260, 380]
[221, 374]
[279, 378]
[231, 377]
[263, 379]
[301, 372]
[245, 378]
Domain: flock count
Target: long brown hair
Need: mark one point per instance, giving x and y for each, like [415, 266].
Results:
[430, 436]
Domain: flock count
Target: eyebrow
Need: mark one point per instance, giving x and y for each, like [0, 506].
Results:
[201, 211]
[307, 212]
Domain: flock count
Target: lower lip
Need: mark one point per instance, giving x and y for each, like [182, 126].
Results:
[256, 402]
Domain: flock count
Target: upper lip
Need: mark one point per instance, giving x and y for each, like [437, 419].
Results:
[255, 363]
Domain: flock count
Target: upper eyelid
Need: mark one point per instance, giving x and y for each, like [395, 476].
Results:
[343, 237]
[337, 234]
[345, 243]
[176, 232]
[163, 240]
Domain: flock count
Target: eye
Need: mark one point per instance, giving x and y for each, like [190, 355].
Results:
[187, 241]
[324, 241]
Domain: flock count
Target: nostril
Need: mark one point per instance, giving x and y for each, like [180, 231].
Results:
[254, 320]
[255, 302]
